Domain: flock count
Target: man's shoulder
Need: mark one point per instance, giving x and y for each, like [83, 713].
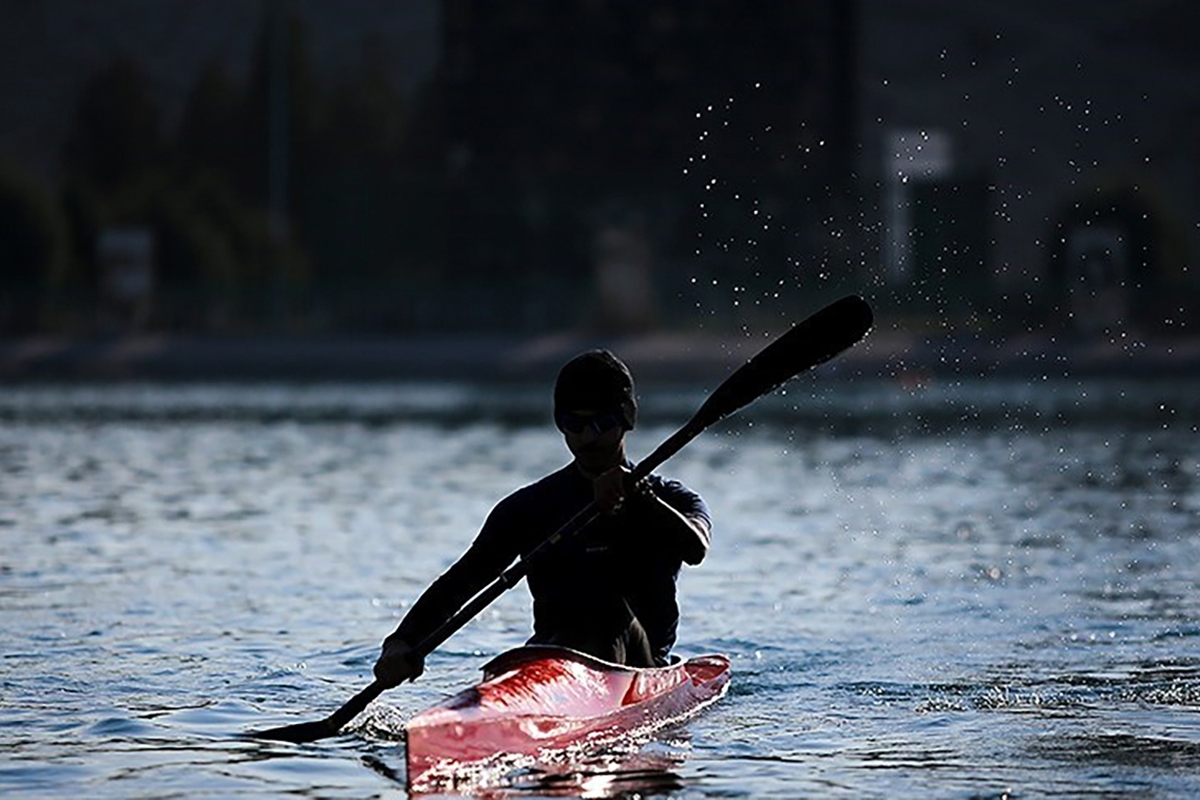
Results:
[671, 486]
[536, 493]
[684, 500]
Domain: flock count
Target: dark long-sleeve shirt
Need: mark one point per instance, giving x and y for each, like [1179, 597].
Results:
[629, 560]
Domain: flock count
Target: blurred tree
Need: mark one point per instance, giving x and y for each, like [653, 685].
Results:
[218, 258]
[34, 249]
[115, 136]
[81, 209]
[213, 137]
[367, 116]
[361, 182]
[214, 257]
[114, 144]
[351, 199]
[291, 74]
[370, 205]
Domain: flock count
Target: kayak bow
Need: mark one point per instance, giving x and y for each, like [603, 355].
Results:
[536, 701]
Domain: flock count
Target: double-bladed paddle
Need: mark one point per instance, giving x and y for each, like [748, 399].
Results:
[813, 341]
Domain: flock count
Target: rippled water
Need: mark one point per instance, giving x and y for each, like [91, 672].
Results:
[959, 590]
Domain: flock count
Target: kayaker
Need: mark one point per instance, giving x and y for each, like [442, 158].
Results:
[610, 591]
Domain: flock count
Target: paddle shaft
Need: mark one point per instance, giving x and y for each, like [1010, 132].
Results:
[813, 341]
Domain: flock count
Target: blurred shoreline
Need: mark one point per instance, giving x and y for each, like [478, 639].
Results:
[654, 357]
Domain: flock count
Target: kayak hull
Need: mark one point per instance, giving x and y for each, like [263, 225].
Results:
[535, 701]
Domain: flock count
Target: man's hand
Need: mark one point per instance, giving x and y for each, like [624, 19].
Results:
[610, 489]
[398, 663]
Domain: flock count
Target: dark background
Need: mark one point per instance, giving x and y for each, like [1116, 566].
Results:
[314, 167]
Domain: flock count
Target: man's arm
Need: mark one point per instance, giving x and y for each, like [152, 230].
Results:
[681, 514]
[673, 508]
[476, 568]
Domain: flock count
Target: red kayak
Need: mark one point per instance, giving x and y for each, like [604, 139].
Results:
[538, 701]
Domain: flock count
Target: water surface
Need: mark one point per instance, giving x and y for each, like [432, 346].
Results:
[960, 590]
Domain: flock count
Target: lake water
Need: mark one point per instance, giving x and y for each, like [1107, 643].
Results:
[952, 590]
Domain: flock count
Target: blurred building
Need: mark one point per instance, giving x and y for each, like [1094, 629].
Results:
[570, 123]
[536, 164]
[1068, 180]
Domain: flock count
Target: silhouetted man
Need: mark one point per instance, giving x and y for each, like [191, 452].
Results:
[608, 592]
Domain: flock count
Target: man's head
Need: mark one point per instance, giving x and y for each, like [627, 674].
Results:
[594, 405]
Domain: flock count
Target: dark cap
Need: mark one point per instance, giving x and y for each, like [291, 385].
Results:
[599, 381]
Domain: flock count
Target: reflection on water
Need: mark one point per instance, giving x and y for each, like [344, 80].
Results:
[638, 775]
[619, 770]
[962, 590]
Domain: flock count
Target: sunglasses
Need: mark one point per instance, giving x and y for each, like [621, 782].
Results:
[570, 422]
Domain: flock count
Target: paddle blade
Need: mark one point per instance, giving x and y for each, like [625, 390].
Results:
[811, 342]
[323, 728]
[299, 733]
